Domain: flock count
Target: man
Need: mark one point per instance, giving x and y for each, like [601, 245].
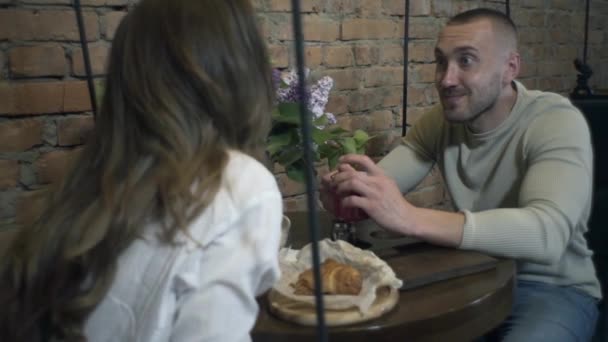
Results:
[518, 166]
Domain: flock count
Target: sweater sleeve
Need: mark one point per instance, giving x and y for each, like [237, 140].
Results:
[411, 161]
[554, 195]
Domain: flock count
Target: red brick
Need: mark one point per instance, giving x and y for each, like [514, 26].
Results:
[320, 29]
[98, 55]
[44, 98]
[30, 206]
[391, 54]
[423, 73]
[38, 60]
[285, 6]
[100, 3]
[341, 7]
[9, 174]
[382, 120]
[338, 56]
[424, 28]
[369, 8]
[366, 55]
[264, 26]
[52, 166]
[422, 51]
[536, 18]
[279, 55]
[313, 55]
[281, 28]
[74, 130]
[532, 3]
[416, 96]
[76, 97]
[393, 96]
[417, 7]
[25, 24]
[369, 29]
[442, 8]
[563, 4]
[45, 2]
[354, 122]
[529, 36]
[383, 76]
[364, 99]
[20, 135]
[344, 78]
[337, 103]
[111, 20]
[31, 98]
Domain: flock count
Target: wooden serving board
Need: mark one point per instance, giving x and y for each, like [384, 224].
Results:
[305, 314]
[423, 264]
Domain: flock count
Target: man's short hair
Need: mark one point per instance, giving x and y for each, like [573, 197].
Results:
[500, 20]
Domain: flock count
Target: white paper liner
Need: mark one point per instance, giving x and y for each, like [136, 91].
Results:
[375, 273]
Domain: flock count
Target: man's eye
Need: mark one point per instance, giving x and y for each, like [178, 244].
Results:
[466, 60]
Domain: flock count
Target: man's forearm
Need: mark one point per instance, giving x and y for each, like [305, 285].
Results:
[436, 226]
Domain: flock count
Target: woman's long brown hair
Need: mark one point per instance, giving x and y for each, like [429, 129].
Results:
[187, 81]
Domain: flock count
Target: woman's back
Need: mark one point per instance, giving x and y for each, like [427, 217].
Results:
[185, 292]
[161, 229]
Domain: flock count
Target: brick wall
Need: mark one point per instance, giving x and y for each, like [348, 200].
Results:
[45, 110]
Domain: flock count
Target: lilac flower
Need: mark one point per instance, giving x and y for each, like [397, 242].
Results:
[331, 119]
[318, 93]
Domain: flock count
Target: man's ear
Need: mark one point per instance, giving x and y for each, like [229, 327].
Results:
[512, 67]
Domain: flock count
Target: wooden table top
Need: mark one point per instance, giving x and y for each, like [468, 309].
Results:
[457, 309]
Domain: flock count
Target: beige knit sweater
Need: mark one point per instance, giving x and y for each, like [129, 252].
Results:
[525, 187]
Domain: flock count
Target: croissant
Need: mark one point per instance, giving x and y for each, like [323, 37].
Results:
[337, 278]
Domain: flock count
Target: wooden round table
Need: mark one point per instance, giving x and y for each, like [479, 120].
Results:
[456, 309]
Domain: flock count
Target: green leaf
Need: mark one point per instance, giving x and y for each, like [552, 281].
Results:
[288, 113]
[332, 159]
[360, 137]
[289, 156]
[296, 173]
[277, 142]
[320, 121]
[320, 136]
[338, 131]
[349, 144]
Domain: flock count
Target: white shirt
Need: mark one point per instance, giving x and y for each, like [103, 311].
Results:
[205, 292]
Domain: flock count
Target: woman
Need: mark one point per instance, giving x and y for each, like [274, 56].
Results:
[166, 228]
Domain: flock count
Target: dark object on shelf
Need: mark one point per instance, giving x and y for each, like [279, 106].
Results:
[584, 73]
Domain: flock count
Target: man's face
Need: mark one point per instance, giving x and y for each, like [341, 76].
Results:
[469, 72]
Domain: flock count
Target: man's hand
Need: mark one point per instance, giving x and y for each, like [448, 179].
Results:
[326, 191]
[371, 190]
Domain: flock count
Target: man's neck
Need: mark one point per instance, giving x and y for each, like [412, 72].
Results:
[497, 114]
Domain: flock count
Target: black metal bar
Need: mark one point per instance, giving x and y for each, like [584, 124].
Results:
[406, 63]
[508, 8]
[586, 40]
[85, 56]
[313, 219]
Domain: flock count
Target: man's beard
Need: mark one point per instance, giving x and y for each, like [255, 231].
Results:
[482, 102]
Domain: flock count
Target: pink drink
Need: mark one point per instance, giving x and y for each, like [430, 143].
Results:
[347, 214]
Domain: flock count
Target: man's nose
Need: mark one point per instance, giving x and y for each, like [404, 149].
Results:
[448, 77]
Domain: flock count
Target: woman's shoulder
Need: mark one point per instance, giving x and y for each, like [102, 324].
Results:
[245, 176]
